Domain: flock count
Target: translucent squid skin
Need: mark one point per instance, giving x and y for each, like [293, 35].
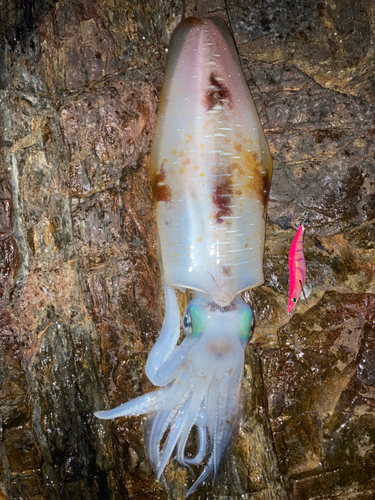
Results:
[200, 383]
[211, 166]
[211, 170]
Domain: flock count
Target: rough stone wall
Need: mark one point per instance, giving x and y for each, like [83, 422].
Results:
[81, 301]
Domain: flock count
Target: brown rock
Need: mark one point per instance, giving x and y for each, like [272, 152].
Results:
[81, 300]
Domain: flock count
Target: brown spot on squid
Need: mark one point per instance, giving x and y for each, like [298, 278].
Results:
[222, 198]
[161, 191]
[220, 94]
[259, 176]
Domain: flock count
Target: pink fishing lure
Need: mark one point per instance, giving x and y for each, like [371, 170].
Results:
[297, 269]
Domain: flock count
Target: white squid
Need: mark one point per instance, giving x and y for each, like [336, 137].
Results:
[211, 171]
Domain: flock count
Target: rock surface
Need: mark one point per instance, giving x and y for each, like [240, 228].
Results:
[81, 301]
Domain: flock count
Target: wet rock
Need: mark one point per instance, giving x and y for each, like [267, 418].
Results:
[319, 383]
[322, 163]
[81, 300]
[328, 41]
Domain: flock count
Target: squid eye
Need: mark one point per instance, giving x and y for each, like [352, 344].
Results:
[187, 322]
[294, 300]
[194, 320]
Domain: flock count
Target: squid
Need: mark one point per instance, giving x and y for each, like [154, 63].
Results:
[211, 170]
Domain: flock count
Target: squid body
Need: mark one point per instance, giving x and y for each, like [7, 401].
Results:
[211, 171]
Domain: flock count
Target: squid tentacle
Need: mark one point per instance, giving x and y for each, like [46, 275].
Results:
[202, 447]
[158, 422]
[153, 431]
[221, 424]
[216, 435]
[137, 406]
[165, 345]
[205, 474]
[188, 422]
[173, 421]
[172, 439]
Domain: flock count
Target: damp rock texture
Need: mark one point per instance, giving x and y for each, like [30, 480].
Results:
[81, 300]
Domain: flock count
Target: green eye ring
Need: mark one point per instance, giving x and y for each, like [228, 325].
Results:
[198, 321]
[246, 324]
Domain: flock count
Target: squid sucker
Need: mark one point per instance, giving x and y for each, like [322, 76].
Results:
[211, 171]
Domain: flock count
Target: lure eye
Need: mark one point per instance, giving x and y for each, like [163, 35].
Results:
[294, 300]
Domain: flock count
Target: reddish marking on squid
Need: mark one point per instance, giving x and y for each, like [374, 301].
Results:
[162, 192]
[297, 269]
[222, 199]
[219, 95]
